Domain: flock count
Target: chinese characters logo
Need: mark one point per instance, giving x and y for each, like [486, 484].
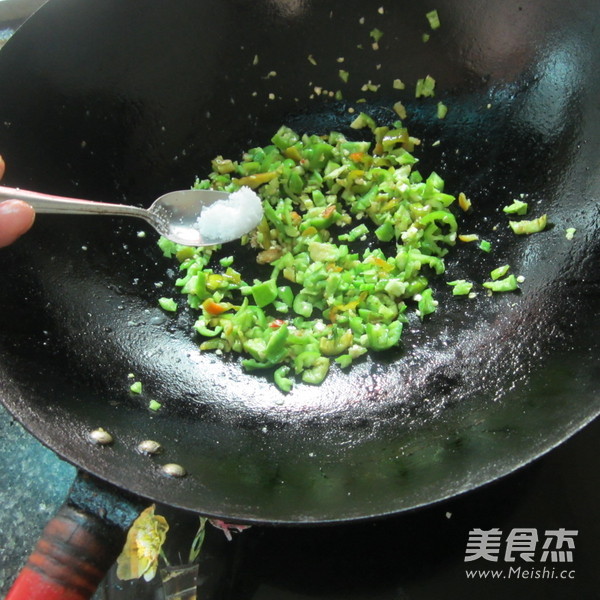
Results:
[554, 546]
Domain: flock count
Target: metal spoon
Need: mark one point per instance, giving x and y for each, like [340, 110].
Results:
[173, 215]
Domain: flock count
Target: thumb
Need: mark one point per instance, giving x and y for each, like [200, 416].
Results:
[16, 217]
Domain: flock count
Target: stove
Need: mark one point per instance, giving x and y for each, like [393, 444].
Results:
[435, 552]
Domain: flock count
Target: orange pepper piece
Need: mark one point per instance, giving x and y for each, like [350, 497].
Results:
[212, 308]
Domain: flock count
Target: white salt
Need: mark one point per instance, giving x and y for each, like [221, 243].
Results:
[229, 219]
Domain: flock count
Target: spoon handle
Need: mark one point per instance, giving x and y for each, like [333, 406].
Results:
[47, 203]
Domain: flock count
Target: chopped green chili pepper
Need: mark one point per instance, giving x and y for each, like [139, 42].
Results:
[485, 246]
[363, 120]
[302, 305]
[499, 272]
[385, 232]
[283, 382]
[264, 293]
[461, 287]
[201, 327]
[355, 233]
[425, 87]
[530, 226]
[508, 284]
[251, 364]
[376, 34]
[276, 343]
[321, 194]
[344, 360]
[433, 18]
[136, 387]
[286, 295]
[383, 337]
[168, 304]
[426, 303]
[518, 207]
[317, 372]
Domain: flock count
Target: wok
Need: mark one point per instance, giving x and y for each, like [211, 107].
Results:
[116, 102]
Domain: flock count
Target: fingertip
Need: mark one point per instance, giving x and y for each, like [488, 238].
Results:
[16, 217]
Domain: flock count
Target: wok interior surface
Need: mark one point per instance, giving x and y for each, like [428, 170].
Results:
[106, 102]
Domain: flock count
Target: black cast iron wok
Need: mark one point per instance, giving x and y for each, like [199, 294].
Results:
[121, 101]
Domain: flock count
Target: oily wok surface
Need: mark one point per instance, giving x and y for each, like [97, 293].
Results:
[106, 102]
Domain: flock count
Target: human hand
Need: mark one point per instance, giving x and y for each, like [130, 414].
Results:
[16, 217]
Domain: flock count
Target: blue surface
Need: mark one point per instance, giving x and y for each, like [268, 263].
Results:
[33, 484]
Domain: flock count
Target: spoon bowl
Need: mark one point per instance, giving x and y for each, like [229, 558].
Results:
[174, 215]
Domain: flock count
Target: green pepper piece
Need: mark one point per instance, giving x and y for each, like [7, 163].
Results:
[321, 222]
[302, 305]
[200, 289]
[226, 261]
[363, 120]
[276, 343]
[283, 382]
[251, 167]
[294, 184]
[203, 330]
[426, 303]
[340, 342]
[256, 347]
[440, 216]
[344, 360]
[354, 233]
[264, 293]
[274, 218]
[356, 324]
[305, 359]
[249, 316]
[284, 138]
[528, 227]
[461, 287]
[318, 155]
[433, 18]
[518, 207]
[499, 272]
[223, 165]
[425, 87]
[385, 232]
[508, 284]
[136, 387]
[286, 295]
[168, 247]
[251, 364]
[184, 253]
[168, 304]
[382, 337]
[317, 372]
